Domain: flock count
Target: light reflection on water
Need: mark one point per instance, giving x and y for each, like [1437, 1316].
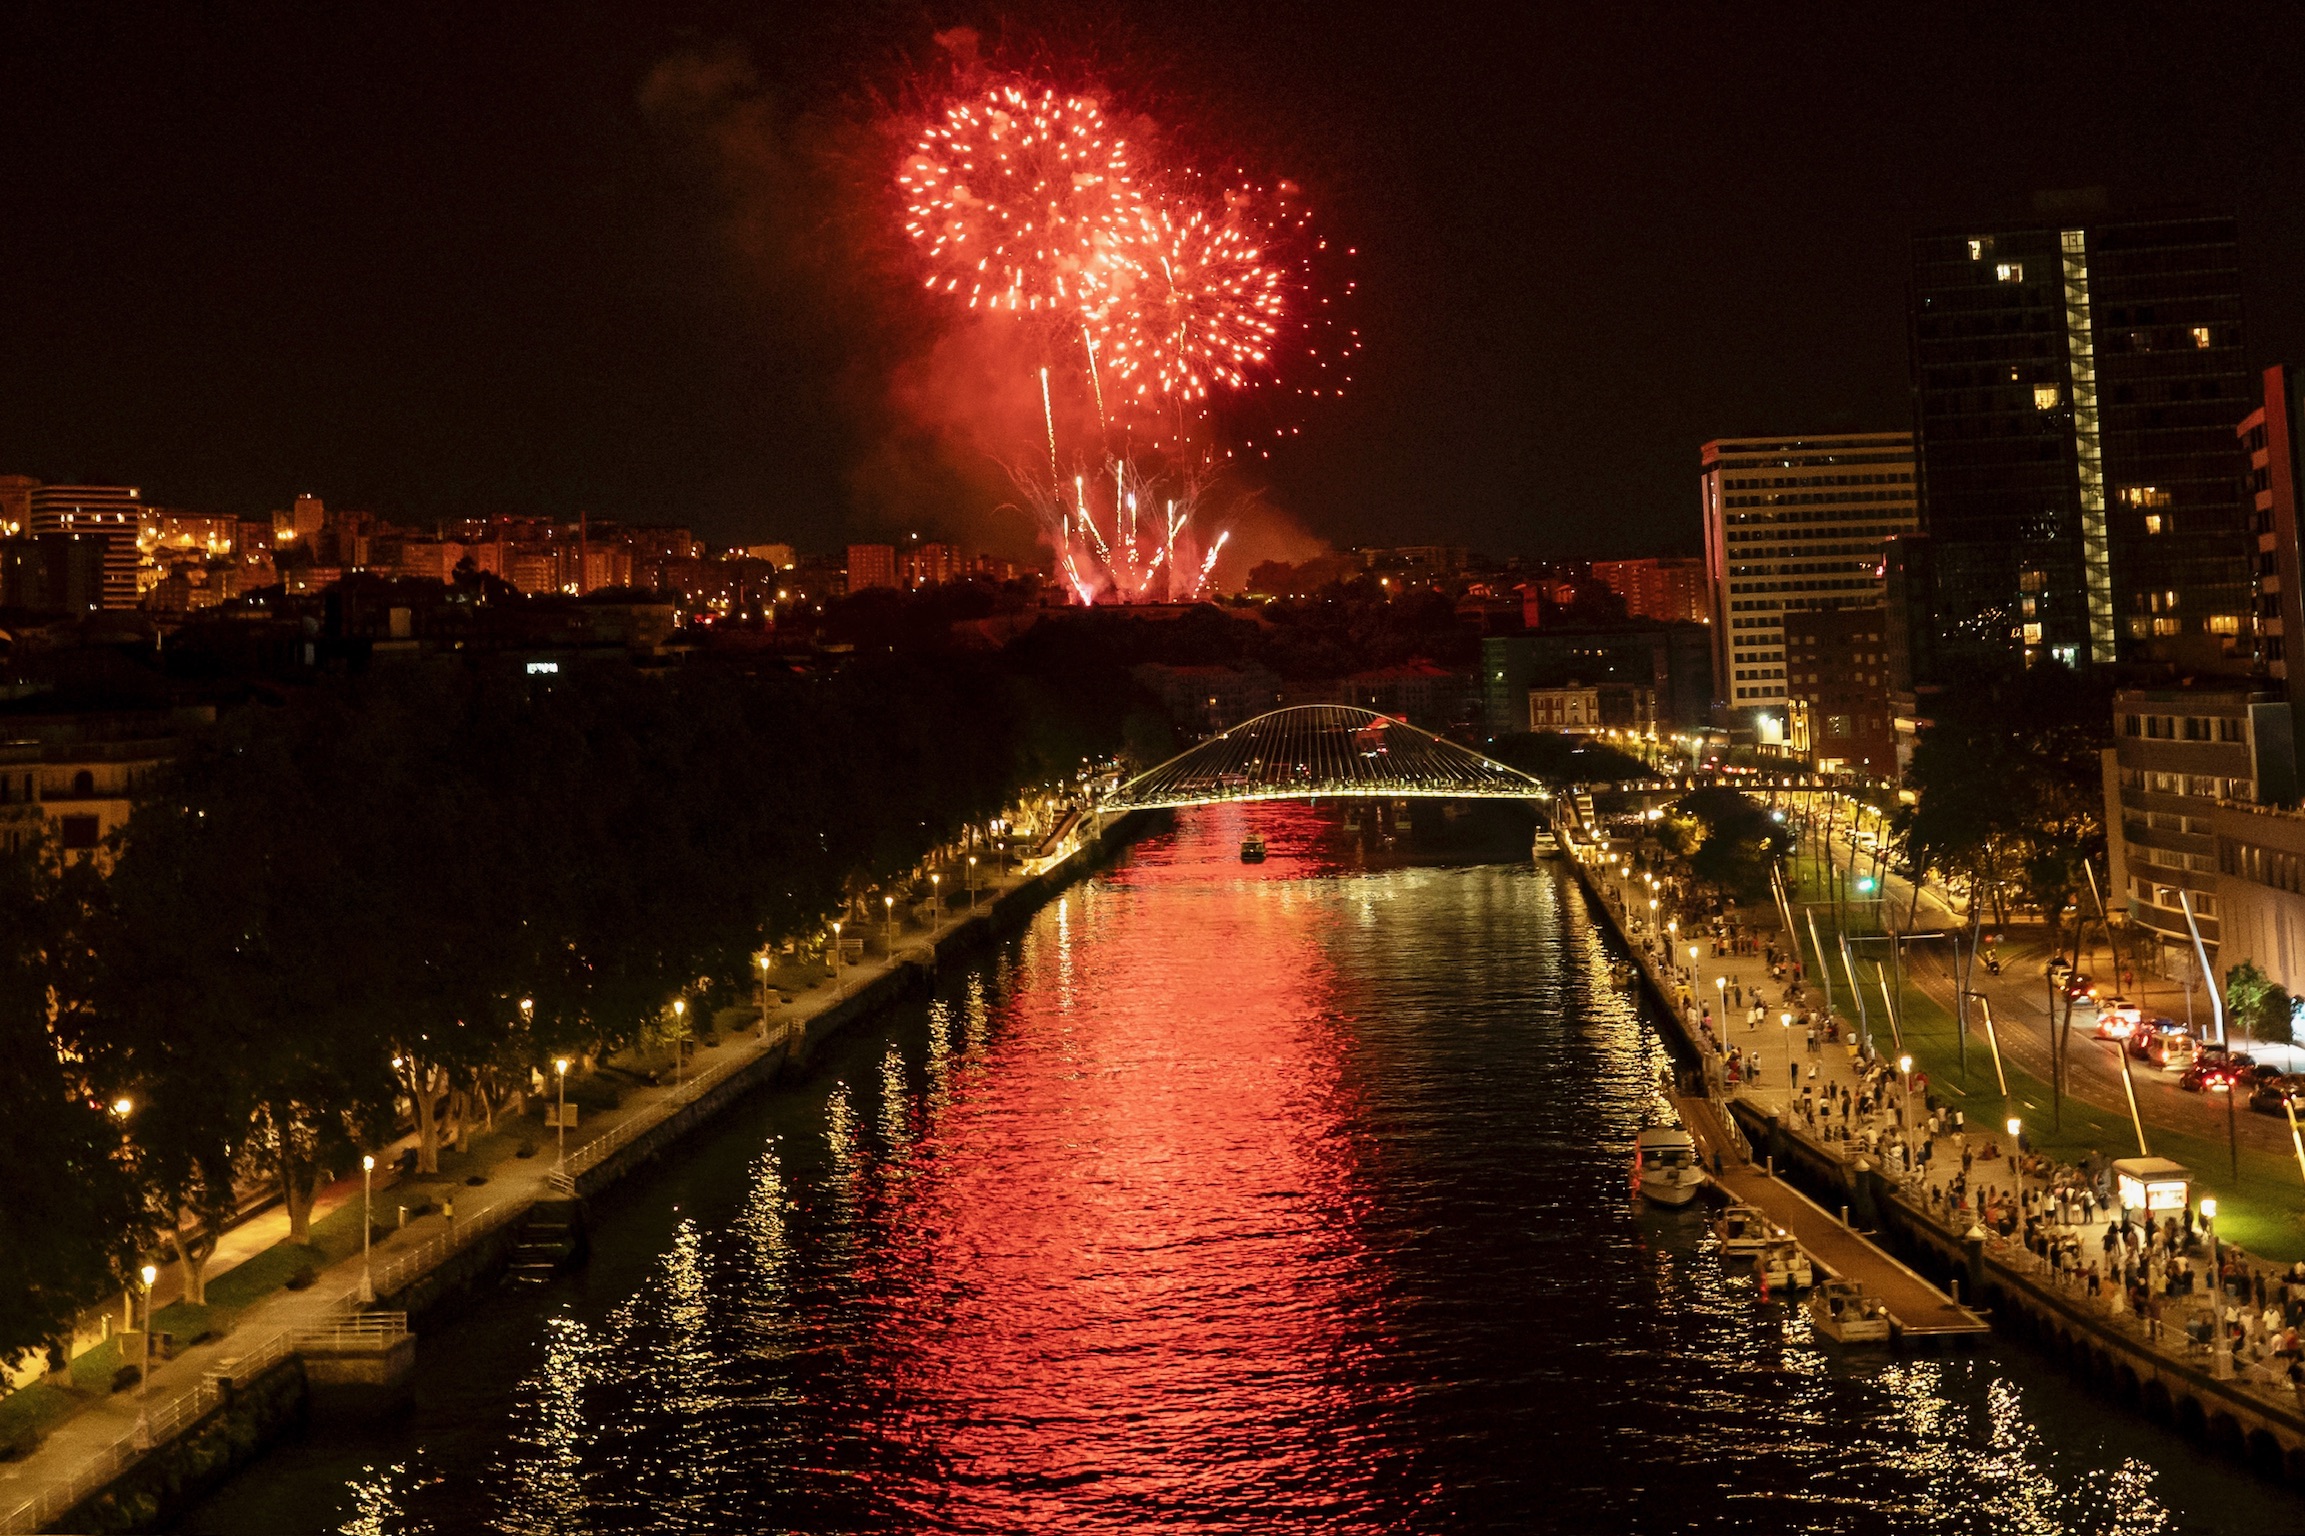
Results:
[1287, 1197]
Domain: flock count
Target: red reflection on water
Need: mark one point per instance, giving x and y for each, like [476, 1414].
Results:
[1128, 1284]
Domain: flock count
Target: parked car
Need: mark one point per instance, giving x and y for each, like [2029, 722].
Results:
[2118, 1018]
[2273, 1094]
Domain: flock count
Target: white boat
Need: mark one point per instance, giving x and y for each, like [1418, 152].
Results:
[1782, 1266]
[1744, 1231]
[1666, 1169]
[1544, 845]
[1842, 1312]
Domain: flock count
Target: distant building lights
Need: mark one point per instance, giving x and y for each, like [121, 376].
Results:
[546, 668]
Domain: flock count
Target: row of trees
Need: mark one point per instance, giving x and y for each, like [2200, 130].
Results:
[430, 881]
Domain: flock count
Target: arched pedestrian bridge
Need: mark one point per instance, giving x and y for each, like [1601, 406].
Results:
[1315, 751]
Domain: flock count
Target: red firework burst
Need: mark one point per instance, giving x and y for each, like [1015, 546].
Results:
[1018, 198]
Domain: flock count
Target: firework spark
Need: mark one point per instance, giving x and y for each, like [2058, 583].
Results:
[1018, 198]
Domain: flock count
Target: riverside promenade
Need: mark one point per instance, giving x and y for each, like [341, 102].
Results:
[2135, 1311]
[113, 1434]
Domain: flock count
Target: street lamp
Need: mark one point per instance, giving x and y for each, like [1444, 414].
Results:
[2017, 1157]
[367, 1224]
[1905, 1112]
[679, 1053]
[935, 900]
[764, 994]
[889, 904]
[972, 882]
[1721, 986]
[144, 1366]
[1692, 962]
[2221, 1362]
[836, 957]
[560, 1110]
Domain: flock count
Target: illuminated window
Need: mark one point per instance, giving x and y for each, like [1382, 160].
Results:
[2045, 397]
[2137, 631]
[2200, 336]
[2010, 271]
[1976, 250]
[2152, 522]
[2224, 624]
[2167, 626]
[2144, 496]
[2032, 634]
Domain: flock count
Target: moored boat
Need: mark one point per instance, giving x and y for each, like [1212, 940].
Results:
[1252, 849]
[1782, 1266]
[1665, 1166]
[1743, 1230]
[1842, 1312]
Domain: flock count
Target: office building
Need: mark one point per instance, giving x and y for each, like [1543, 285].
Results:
[1673, 590]
[1673, 661]
[1794, 524]
[2075, 387]
[112, 513]
[871, 565]
[53, 573]
[2177, 754]
[1837, 666]
[2269, 445]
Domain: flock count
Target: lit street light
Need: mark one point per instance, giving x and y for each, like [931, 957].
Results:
[2017, 1156]
[764, 994]
[836, 958]
[1905, 1112]
[972, 882]
[679, 1051]
[560, 1111]
[935, 900]
[144, 1366]
[889, 903]
[2221, 1360]
[367, 1224]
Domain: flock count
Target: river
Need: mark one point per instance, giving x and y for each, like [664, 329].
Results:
[1226, 1198]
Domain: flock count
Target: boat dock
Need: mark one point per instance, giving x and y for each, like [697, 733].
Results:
[1918, 1312]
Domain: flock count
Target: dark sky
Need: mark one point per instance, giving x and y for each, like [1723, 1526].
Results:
[437, 260]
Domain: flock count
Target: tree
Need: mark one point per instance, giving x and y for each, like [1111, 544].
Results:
[2257, 1004]
[71, 1219]
[1731, 842]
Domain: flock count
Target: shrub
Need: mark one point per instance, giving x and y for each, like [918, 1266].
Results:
[526, 1148]
[125, 1377]
[302, 1280]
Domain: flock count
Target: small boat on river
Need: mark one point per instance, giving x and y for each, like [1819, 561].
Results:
[1782, 1266]
[1744, 1230]
[1252, 849]
[1665, 1167]
[1842, 1312]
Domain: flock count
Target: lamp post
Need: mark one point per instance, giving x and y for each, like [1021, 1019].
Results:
[2221, 1358]
[1905, 1109]
[836, 957]
[367, 1224]
[935, 901]
[972, 882]
[1692, 962]
[1721, 989]
[764, 994]
[679, 1023]
[144, 1366]
[888, 904]
[1652, 914]
[560, 1110]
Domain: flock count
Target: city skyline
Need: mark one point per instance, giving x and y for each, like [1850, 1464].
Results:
[514, 288]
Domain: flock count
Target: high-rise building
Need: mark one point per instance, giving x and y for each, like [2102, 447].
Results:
[113, 513]
[2269, 440]
[928, 565]
[1794, 524]
[2074, 383]
[1659, 589]
[1837, 664]
[53, 572]
[871, 565]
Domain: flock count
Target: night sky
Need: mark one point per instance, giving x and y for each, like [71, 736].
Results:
[447, 260]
